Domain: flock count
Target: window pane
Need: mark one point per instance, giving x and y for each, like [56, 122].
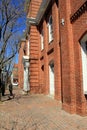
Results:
[50, 29]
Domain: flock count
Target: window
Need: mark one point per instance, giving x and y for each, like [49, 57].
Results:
[42, 40]
[50, 28]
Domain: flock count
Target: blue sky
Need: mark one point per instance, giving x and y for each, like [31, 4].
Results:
[21, 21]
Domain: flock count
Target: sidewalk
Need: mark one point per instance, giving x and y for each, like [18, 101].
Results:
[37, 112]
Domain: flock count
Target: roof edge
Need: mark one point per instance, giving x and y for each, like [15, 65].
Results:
[42, 9]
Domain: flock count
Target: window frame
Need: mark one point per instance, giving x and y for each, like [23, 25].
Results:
[42, 39]
[50, 29]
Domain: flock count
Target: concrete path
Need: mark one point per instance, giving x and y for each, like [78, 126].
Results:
[37, 112]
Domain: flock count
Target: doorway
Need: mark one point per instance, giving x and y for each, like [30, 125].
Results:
[51, 79]
[84, 62]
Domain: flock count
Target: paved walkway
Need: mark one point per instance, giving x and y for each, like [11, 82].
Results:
[37, 112]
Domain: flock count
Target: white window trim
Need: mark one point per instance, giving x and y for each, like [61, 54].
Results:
[42, 40]
[50, 29]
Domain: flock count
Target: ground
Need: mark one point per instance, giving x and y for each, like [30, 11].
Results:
[37, 112]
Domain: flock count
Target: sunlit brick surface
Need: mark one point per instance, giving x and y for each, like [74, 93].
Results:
[37, 112]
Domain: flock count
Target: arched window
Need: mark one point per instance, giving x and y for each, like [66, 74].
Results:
[50, 28]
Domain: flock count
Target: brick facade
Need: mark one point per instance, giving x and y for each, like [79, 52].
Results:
[15, 73]
[20, 64]
[33, 8]
[73, 97]
[63, 53]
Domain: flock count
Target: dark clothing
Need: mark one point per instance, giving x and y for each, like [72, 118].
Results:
[3, 88]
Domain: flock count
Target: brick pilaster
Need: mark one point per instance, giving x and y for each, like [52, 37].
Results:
[34, 60]
[57, 64]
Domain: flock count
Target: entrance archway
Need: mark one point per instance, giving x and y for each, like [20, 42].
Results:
[83, 42]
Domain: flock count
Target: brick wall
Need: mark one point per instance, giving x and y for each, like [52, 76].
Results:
[75, 5]
[79, 28]
[15, 73]
[34, 60]
[49, 55]
[51, 52]
[68, 79]
[57, 64]
[64, 51]
[20, 65]
[73, 97]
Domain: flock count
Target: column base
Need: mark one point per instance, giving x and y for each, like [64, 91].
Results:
[25, 92]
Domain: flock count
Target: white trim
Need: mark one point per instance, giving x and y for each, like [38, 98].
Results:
[50, 29]
[42, 40]
[51, 80]
[28, 47]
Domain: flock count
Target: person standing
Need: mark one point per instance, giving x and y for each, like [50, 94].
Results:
[3, 88]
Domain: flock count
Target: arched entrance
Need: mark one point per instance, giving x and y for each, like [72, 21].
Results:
[83, 42]
[51, 79]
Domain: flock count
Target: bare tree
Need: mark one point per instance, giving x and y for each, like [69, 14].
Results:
[12, 21]
[26, 5]
[12, 18]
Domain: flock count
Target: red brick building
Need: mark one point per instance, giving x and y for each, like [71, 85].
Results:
[15, 74]
[23, 65]
[57, 51]
[20, 64]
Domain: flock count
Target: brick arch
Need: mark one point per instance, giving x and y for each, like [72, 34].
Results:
[51, 62]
